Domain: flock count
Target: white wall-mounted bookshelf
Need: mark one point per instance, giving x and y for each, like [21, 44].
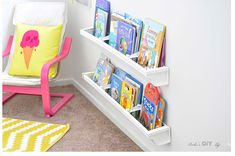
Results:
[158, 136]
[157, 76]
[147, 140]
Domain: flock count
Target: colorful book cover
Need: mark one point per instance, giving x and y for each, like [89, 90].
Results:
[103, 72]
[102, 18]
[125, 38]
[139, 86]
[116, 86]
[160, 112]
[113, 28]
[100, 23]
[151, 44]
[139, 27]
[149, 106]
[113, 34]
[121, 73]
[126, 100]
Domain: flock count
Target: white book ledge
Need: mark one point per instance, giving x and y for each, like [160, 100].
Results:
[157, 76]
[146, 139]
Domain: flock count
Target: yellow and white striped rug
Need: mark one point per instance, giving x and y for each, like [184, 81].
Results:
[30, 136]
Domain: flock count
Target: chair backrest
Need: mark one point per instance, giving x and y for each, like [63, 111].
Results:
[39, 13]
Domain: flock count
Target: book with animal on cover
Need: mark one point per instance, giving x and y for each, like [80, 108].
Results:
[116, 86]
[127, 95]
[102, 18]
[103, 72]
[125, 38]
[151, 44]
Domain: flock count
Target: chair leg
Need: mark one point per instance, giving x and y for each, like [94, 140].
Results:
[8, 97]
[46, 99]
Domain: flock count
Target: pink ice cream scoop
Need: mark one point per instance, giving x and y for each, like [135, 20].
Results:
[30, 39]
[28, 42]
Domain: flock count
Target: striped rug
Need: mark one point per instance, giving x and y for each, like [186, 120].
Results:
[30, 136]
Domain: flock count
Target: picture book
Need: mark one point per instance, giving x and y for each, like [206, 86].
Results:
[103, 72]
[139, 26]
[102, 18]
[149, 106]
[126, 100]
[121, 73]
[116, 86]
[139, 88]
[125, 38]
[113, 34]
[151, 44]
[115, 17]
[100, 23]
[160, 112]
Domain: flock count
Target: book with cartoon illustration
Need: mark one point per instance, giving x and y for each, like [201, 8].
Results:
[139, 26]
[103, 72]
[125, 38]
[102, 18]
[149, 106]
[151, 44]
[116, 86]
[127, 92]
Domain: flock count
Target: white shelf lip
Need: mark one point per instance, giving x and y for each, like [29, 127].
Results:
[158, 136]
[158, 76]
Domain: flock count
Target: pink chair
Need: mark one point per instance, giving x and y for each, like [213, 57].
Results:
[37, 86]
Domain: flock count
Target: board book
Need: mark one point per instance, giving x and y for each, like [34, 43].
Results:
[103, 72]
[116, 86]
[125, 38]
[151, 44]
[102, 18]
[149, 106]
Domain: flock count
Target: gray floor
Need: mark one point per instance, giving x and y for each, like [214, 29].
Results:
[90, 129]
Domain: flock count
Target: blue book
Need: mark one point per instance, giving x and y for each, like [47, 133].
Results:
[103, 72]
[102, 17]
[116, 86]
[137, 84]
[125, 38]
[139, 28]
[121, 73]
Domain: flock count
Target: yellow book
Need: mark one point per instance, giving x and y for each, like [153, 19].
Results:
[127, 97]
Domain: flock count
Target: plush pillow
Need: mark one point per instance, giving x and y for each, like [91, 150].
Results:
[35, 46]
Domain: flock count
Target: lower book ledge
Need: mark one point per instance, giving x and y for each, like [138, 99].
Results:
[128, 124]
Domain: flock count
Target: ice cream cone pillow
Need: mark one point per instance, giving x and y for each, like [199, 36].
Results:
[29, 41]
[35, 46]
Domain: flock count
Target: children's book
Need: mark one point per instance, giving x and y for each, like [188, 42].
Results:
[103, 72]
[115, 17]
[149, 106]
[102, 18]
[151, 44]
[125, 38]
[139, 26]
[160, 112]
[121, 73]
[139, 88]
[126, 100]
[116, 86]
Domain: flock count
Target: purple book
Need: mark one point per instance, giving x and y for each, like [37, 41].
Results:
[163, 54]
[125, 38]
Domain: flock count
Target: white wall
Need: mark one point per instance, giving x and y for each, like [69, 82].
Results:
[198, 55]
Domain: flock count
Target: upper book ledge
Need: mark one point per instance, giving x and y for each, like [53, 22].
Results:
[157, 76]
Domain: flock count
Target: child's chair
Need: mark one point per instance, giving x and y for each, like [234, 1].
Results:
[44, 14]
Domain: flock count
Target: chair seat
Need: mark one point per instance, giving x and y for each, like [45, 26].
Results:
[19, 81]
